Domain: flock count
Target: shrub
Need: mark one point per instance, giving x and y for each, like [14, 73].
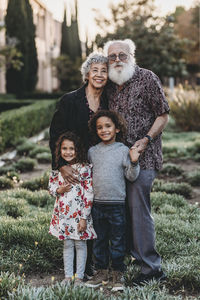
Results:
[38, 149]
[14, 176]
[25, 121]
[40, 198]
[185, 109]
[5, 183]
[160, 199]
[183, 188]
[7, 169]
[194, 178]
[171, 169]
[25, 164]
[14, 207]
[25, 148]
[44, 157]
[9, 283]
[37, 183]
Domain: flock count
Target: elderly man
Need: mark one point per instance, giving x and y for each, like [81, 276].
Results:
[137, 95]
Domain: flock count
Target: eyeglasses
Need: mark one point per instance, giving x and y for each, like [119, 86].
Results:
[122, 56]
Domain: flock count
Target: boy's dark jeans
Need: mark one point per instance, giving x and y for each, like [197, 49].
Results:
[109, 224]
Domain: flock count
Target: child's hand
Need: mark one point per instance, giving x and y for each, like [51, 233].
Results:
[66, 187]
[82, 225]
[134, 154]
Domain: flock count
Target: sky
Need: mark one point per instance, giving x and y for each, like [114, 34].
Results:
[87, 15]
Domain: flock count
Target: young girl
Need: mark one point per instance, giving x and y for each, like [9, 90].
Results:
[71, 220]
[112, 161]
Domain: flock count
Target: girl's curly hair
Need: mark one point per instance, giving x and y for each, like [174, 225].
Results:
[116, 119]
[81, 155]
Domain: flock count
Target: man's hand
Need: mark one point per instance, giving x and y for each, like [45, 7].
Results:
[134, 154]
[82, 225]
[69, 174]
[141, 144]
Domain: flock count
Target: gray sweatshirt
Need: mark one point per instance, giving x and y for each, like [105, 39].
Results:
[111, 164]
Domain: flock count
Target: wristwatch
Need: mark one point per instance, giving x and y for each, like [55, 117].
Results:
[149, 138]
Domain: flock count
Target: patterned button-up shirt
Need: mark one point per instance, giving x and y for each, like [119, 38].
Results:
[140, 102]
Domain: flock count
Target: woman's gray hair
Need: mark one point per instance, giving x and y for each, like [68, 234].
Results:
[93, 58]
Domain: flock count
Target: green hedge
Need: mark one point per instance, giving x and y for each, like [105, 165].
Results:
[13, 104]
[25, 121]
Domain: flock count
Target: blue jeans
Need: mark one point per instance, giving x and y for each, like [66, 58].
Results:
[109, 224]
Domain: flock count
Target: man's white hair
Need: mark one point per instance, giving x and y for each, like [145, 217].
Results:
[128, 42]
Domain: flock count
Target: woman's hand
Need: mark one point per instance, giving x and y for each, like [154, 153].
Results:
[82, 225]
[69, 174]
[65, 188]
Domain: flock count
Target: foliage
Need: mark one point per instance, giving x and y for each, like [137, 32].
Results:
[173, 188]
[70, 42]
[37, 183]
[187, 26]
[68, 72]
[32, 61]
[171, 169]
[25, 164]
[7, 169]
[25, 148]
[185, 109]
[158, 48]
[38, 149]
[5, 183]
[9, 283]
[44, 157]
[194, 178]
[25, 121]
[13, 207]
[19, 25]
[10, 57]
[13, 104]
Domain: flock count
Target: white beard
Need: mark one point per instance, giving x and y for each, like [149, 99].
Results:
[120, 76]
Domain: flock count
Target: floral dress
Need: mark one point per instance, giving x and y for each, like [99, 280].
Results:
[71, 206]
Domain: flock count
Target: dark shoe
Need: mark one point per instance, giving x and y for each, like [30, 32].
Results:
[89, 272]
[146, 278]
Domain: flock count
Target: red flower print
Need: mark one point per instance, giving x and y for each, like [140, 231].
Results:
[74, 215]
[61, 237]
[61, 203]
[59, 182]
[85, 174]
[66, 231]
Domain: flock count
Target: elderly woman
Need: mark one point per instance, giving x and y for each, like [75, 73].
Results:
[75, 108]
[74, 112]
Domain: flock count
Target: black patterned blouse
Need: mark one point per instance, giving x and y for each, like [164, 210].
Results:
[140, 102]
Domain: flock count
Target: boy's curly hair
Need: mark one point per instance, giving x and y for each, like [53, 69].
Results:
[81, 155]
[116, 119]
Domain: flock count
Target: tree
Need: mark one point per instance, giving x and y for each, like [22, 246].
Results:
[32, 61]
[68, 63]
[158, 48]
[67, 72]
[187, 26]
[19, 25]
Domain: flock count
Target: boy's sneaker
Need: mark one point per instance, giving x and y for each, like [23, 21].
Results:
[117, 279]
[100, 278]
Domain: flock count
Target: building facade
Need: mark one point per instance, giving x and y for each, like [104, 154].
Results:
[48, 39]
